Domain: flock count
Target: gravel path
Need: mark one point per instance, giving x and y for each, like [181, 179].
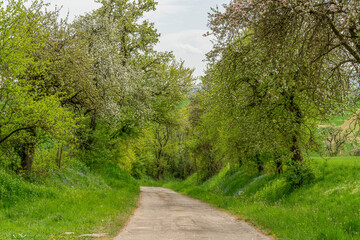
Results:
[166, 215]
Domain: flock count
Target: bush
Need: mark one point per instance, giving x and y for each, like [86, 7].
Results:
[355, 151]
[298, 174]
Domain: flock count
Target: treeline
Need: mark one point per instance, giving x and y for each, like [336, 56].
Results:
[83, 91]
[277, 70]
[95, 90]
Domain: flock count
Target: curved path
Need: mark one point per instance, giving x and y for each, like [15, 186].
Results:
[166, 215]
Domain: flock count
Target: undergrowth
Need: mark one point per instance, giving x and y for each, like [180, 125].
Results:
[78, 201]
[326, 207]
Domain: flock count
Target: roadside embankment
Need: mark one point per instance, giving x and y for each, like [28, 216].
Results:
[327, 208]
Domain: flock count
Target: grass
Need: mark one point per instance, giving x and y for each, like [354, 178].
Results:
[78, 201]
[326, 209]
[184, 104]
[151, 182]
[339, 120]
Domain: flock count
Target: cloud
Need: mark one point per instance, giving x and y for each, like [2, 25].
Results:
[188, 45]
[181, 23]
[190, 49]
[75, 8]
[193, 38]
[166, 10]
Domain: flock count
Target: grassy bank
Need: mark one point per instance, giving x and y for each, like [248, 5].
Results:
[75, 200]
[328, 208]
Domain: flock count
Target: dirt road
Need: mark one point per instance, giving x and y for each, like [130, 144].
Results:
[166, 215]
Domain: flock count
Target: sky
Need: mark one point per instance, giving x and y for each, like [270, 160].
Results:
[181, 24]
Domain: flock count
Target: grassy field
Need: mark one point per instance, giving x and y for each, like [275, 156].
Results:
[328, 208]
[78, 201]
[338, 120]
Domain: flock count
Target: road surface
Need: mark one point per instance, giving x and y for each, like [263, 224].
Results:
[166, 215]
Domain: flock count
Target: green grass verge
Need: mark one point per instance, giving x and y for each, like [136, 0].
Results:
[338, 120]
[184, 104]
[78, 201]
[328, 208]
[151, 182]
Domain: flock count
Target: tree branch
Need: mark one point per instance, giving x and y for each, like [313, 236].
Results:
[13, 132]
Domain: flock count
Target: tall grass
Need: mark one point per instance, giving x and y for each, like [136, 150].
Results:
[74, 200]
[327, 208]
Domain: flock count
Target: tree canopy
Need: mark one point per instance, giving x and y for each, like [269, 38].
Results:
[96, 89]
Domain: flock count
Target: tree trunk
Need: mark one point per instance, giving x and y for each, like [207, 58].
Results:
[27, 152]
[59, 155]
[295, 149]
[279, 165]
[27, 156]
[90, 138]
[295, 145]
[93, 121]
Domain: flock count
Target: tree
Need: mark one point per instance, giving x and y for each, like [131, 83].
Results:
[267, 70]
[28, 113]
[16, 41]
[328, 29]
[337, 20]
[170, 82]
[336, 138]
[27, 117]
[117, 39]
[66, 66]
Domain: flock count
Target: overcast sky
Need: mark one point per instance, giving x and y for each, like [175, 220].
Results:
[181, 24]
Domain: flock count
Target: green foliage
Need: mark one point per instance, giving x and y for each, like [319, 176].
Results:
[85, 104]
[25, 109]
[95, 89]
[62, 64]
[269, 85]
[14, 189]
[119, 44]
[298, 174]
[17, 39]
[325, 208]
[76, 200]
[29, 117]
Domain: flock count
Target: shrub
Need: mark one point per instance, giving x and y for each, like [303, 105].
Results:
[298, 174]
